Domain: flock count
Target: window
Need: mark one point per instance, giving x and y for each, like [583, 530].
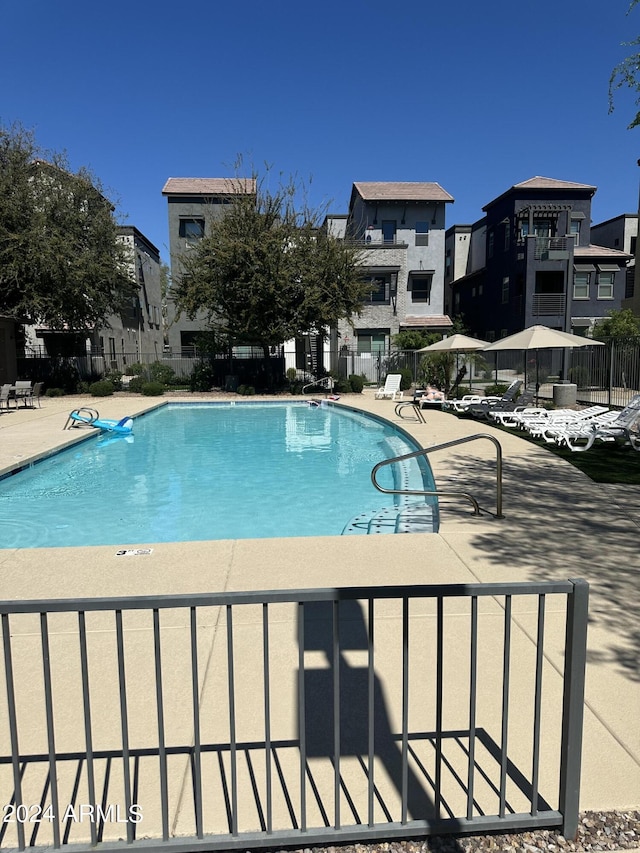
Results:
[373, 342]
[574, 229]
[507, 236]
[632, 247]
[490, 244]
[605, 285]
[389, 230]
[543, 227]
[422, 233]
[192, 229]
[379, 285]
[505, 290]
[581, 285]
[420, 287]
[629, 285]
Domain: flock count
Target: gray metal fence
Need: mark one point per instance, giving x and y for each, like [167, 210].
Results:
[604, 374]
[256, 719]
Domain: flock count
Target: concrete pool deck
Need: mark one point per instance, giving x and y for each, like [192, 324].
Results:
[558, 525]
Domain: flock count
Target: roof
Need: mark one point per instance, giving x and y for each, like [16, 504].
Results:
[401, 191]
[592, 251]
[540, 183]
[209, 186]
[433, 320]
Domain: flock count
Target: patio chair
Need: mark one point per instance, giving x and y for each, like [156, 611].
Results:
[5, 395]
[463, 403]
[521, 404]
[391, 387]
[506, 402]
[22, 391]
[535, 420]
[36, 393]
[428, 397]
[553, 429]
[624, 428]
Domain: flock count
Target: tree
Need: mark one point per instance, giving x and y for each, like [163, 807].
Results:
[618, 324]
[626, 74]
[61, 263]
[267, 272]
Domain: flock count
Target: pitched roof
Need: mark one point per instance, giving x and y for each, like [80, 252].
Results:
[401, 191]
[592, 251]
[209, 186]
[435, 320]
[539, 183]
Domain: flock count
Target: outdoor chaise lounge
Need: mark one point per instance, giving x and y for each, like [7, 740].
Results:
[533, 416]
[391, 387]
[507, 401]
[428, 397]
[557, 421]
[463, 403]
[623, 428]
[488, 402]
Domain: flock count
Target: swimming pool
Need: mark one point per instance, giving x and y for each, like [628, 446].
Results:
[211, 471]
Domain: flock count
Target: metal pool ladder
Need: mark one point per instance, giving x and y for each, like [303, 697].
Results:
[425, 452]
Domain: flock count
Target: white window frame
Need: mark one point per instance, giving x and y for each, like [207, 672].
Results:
[583, 284]
[607, 284]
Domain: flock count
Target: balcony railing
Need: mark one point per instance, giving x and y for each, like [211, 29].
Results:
[377, 244]
[552, 248]
[548, 304]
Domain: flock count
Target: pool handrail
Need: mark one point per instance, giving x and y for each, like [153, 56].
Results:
[328, 379]
[424, 452]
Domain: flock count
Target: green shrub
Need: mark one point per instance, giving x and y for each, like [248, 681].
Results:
[246, 390]
[55, 392]
[160, 372]
[356, 383]
[407, 378]
[496, 390]
[103, 388]
[135, 369]
[136, 384]
[152, 389]
[202, 377]
[342, 386]
[115, 377]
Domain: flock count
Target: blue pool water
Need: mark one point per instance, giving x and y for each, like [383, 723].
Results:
[209, 471]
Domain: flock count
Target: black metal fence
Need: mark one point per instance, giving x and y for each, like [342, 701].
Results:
[609, 374]
[300, 717]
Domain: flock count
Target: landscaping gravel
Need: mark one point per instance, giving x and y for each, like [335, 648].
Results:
[610, 830]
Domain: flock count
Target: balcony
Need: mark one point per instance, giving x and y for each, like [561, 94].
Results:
[548, 304]
[552, 248]
[377, 244]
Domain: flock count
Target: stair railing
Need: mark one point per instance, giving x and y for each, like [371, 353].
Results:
[329, 380]
[425, 452]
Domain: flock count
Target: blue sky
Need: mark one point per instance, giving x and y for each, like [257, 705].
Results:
[476, 96]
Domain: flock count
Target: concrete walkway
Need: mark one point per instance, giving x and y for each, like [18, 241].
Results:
[557, 525]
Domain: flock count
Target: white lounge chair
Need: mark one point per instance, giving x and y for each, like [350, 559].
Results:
[391, 388]
[623, 427]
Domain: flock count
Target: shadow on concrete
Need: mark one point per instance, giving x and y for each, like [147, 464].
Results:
[559, 524]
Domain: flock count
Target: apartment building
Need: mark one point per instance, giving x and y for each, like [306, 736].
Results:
[400, 227]
[531, 260]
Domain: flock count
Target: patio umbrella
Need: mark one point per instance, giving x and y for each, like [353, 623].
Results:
[456, 343]
[537, 338]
